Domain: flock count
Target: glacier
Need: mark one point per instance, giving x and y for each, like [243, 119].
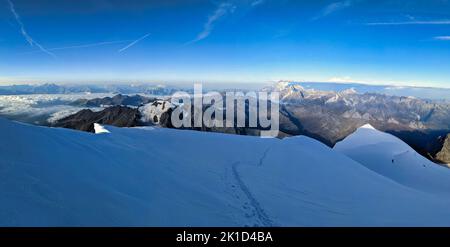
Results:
[149, 176]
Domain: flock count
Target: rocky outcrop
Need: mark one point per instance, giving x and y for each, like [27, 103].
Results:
[444, 155]
[120, 116]
[158, 112]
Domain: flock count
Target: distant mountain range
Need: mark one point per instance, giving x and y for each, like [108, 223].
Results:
[70, 89]
[119, 99]
[430, 93]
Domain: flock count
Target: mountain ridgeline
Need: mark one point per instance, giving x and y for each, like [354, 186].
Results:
[326, 116]
[51, 88]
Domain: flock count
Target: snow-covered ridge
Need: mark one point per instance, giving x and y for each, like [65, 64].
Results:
[394, 159]
[166, 177]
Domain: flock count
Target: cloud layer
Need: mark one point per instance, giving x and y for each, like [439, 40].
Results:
[42, 108]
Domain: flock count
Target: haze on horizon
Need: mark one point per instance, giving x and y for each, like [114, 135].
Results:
[376, 42]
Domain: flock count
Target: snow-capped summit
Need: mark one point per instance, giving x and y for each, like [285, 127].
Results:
[367, 126]
[394, 159]
[349, 91]
[288, 86]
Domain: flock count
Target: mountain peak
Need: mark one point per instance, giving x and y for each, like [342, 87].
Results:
[349, 91]
[367, 126]
[284, 85]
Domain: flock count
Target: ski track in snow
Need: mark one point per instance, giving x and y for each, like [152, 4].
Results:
[312, 203]
[257, 214]
[261, 160]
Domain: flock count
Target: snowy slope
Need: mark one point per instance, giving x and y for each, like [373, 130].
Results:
[394, 159]
[165, 177]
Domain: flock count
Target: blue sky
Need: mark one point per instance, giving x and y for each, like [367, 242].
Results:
[381, 42]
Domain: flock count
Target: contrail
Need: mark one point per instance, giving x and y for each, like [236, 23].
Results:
[222, 10]
[134, 42]
[24, 32]
[334, 7]
[82, 46]
[438, 22]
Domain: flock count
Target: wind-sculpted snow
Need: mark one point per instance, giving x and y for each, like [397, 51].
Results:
[166, 177]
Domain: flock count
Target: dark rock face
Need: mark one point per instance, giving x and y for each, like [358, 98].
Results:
[444, 155]
[119, 116]
[165, 119]
[119, 99]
